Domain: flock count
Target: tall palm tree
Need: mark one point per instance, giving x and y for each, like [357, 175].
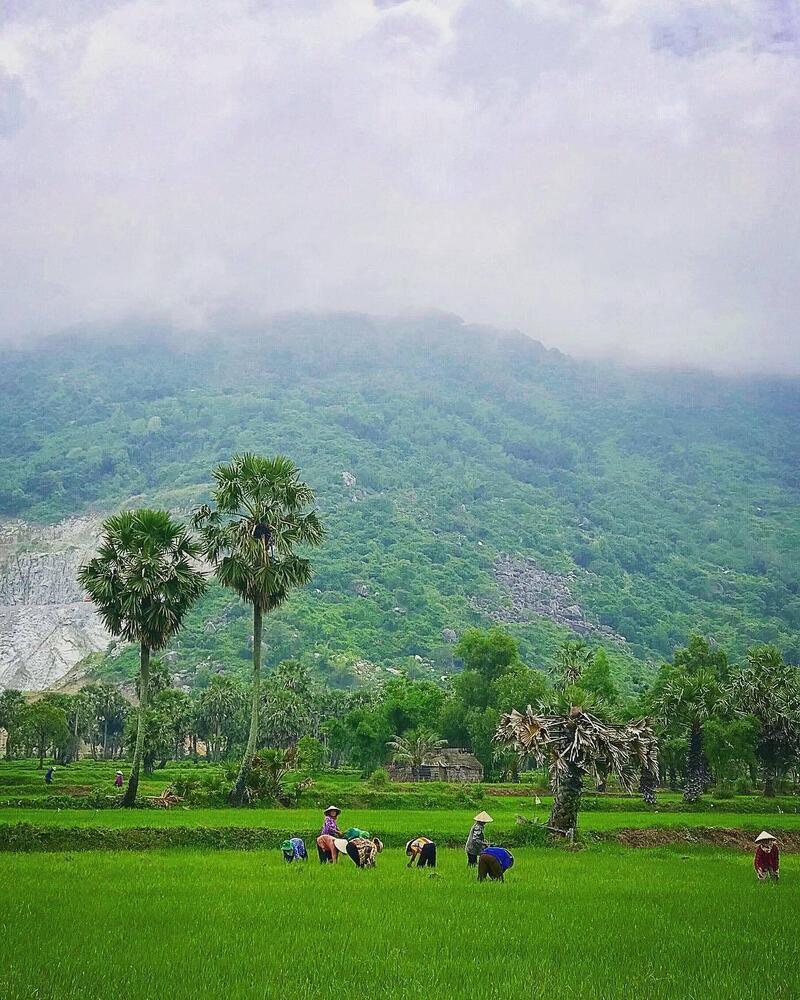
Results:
[143, 582]
[769, 690]
[576, 745]
[416, 750]
[258, 517]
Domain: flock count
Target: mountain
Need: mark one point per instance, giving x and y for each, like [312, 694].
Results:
[464, 475]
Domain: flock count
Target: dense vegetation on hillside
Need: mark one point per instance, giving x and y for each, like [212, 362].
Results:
[666, 502]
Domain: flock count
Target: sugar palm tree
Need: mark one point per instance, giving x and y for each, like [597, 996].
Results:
[575, 745]
[417, 749]
[769, 690]
[572, 658]
[686, 699]
[258, 517]
[143, 581]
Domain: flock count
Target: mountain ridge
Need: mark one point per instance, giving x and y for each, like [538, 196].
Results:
[668, 500]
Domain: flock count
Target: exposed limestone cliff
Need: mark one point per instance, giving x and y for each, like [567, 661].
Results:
[45, 625]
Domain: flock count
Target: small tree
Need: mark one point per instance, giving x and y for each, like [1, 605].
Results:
[46, 725]
[575, 745]
[12, 711]
[143, 582]
[417, 749]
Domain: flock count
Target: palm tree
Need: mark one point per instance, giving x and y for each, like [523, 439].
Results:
[572, 658]
[143, 582]
[688, 699]
[218, 705]
[769, 690]
[416, 750]
[260, 515]
[575, 745]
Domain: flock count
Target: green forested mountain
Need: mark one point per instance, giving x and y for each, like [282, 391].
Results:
[462, 475]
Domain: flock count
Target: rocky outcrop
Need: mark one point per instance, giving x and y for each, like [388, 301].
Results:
[46, 627]
[533, 591]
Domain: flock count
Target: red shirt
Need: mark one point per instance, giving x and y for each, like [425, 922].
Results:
[766, 861]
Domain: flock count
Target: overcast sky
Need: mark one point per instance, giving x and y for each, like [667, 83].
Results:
[612, 177]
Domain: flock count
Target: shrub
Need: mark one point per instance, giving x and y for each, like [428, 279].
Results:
[379, 778]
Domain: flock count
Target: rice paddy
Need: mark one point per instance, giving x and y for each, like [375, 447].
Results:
[605, 922]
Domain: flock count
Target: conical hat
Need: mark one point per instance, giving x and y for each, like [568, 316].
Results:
[331, 809]
[341, 845]
[483, 817]
[764, 836]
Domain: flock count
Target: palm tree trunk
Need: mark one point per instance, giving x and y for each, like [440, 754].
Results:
[567, 801]
[695, 764]
[144, 683]
[648, 783]
[239, 790]
[769, 781]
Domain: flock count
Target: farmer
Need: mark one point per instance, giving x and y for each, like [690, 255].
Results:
[48, 775]
[767, 861]
[423, 851]
[330, 827]
[361, 850]
[294, 850]
[118, 779]
[326, 849]
[476, 841]
[494, 862]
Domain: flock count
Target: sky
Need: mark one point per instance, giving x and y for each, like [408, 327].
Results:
[616, 178]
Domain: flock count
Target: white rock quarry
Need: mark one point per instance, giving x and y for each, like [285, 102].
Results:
[46, 627]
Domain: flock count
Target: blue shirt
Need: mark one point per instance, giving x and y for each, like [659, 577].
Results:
[502, 855]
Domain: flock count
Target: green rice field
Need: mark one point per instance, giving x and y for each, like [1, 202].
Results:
[445, 822]
[599, 923]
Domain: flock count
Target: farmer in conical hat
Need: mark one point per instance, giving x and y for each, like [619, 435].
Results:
[330, 828]
[767, 860]
[476, 841]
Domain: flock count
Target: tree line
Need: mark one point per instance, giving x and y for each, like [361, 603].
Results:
[702, 721]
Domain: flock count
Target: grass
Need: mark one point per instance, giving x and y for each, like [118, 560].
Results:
[601, 923]
[444, 822]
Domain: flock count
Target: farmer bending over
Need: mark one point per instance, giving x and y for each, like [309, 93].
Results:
[767, 861]
[423, 851]
[493, 863]
[361, 851]
[294, 850]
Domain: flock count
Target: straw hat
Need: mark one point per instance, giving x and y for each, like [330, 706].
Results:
[483, 817]
[341, 845]
[332, 809]
[764, 836]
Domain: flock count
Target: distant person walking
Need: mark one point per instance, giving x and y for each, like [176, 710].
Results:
[493, 863]
[48, 775]
[476, 841]
[118, 779]
[423, 851]
[330, 827]
[767, 859]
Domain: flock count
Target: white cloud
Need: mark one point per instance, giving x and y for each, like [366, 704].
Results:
[611, 177]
